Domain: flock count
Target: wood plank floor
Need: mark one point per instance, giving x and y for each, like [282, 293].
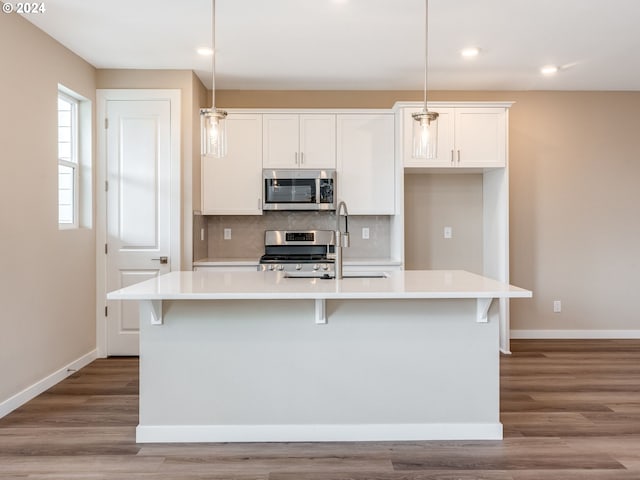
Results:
[571, 410]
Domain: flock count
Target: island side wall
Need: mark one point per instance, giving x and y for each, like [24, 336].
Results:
[262, 370]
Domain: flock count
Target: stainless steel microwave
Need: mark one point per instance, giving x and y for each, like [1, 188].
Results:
[298, 189]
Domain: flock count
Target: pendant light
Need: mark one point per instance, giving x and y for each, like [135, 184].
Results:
[425, 126]
[213, 120]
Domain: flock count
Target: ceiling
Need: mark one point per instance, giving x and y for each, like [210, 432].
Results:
[361, 44]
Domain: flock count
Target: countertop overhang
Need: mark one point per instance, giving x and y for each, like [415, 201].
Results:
[406, 284]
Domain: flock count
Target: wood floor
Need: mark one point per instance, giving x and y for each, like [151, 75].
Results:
[570, 409]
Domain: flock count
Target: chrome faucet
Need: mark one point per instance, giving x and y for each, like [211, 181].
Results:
[341, 238]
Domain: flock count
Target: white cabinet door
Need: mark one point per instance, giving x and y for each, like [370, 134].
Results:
[138, 161]
[480, 137]
[232, 185]
[299, 141]
[281, 140]
[317, 141]
[366, 165]
[445, 132]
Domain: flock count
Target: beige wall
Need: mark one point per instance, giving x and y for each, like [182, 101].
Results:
[435, 201]
[574, 169]
[47, 275]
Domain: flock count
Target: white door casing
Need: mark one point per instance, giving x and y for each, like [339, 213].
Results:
[140, 214]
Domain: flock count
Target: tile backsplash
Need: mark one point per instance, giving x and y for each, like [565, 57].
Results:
[247, 232]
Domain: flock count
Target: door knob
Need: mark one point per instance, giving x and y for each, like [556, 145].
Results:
[163, 260]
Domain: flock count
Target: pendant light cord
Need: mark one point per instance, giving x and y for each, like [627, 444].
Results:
[213, 55]
[426, 48]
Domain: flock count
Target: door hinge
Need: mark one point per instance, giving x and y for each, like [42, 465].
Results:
[106, 250]
[106, 123]
[106, 311]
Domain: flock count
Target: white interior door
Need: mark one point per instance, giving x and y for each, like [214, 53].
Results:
[138, 208]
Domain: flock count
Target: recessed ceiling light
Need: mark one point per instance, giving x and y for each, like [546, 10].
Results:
[470, 52]
[549, 70]
[204, 51]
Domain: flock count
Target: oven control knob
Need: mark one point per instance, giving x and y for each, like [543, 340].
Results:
[325, 267]
[316, 266]
[299, 266]
[280, 267]
[272, 268]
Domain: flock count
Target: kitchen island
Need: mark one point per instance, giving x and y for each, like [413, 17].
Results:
[257, 356]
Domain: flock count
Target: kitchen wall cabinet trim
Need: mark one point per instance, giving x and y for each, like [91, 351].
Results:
[299, 140]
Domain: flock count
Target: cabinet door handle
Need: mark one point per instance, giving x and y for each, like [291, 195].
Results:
[259, 203]
[301, 158]
[458, 156]
[296, 158]
[162, 260]
[452, 158]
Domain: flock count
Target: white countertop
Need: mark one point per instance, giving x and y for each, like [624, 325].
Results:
[273, 285]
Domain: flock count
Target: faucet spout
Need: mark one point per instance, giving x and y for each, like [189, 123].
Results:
[342, 237]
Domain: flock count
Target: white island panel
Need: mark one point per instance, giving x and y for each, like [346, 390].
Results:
[223, 371]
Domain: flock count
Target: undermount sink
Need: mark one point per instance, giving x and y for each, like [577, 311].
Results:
[330, 276]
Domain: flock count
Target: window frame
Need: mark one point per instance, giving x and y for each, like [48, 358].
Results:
[74, 162]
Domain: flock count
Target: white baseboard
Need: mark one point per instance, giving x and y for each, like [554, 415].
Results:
[9, 405]
[317, 433]
[575, 334]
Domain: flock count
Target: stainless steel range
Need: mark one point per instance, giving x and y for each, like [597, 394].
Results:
[306, 251]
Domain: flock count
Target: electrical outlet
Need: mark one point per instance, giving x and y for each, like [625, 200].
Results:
[365, 233]
[227, 234]
[557, 306]
[448, 232]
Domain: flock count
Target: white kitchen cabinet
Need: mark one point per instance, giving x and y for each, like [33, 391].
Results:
[468, 137]
[232, 185]
[366, 163]
[299, 141]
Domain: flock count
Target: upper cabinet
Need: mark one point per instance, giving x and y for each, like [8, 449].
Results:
[299, 141]
[366, 163]
[232, 185]
[468, 137]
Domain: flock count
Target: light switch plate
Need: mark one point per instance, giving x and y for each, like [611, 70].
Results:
[448, 232]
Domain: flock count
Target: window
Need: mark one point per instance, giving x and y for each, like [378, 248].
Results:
[68, 164]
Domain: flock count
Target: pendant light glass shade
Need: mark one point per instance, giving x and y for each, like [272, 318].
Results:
[425, 125]
[213, 120]
[214, 132]
[425, 135]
